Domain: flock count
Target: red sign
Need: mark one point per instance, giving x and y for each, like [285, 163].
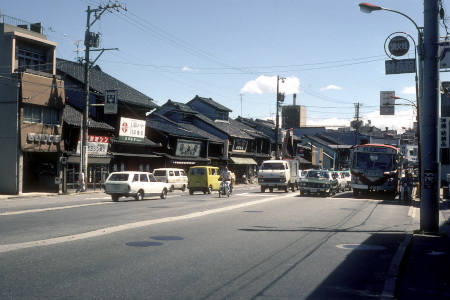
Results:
[97, 139]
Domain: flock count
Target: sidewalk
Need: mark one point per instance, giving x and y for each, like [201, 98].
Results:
[36, 194]
[425, 269]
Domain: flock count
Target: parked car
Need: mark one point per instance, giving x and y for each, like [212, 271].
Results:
[318, 182]
[177, 178]
[342, 181]
[348, 177]
[203, 179]
[134, 184]
[304, 173]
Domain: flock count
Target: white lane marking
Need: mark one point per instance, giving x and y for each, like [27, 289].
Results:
[260, 195]
[109, 230]
[412, 212]
[20, 212]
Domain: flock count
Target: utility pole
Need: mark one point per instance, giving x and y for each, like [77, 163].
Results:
[280, 98]
[241, 107]
[429, 156]
[90, 40]
[357, 123]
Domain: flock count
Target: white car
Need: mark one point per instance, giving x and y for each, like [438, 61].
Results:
[134, 184]
[342, 180]
[177, 178]
[348, 176]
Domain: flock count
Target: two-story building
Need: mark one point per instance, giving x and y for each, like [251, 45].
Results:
[32, 99]
[231, 142]
[109, 148]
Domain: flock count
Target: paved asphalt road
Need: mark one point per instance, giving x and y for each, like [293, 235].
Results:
[252, 245]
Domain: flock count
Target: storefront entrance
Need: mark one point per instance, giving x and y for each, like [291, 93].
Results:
[39, 172]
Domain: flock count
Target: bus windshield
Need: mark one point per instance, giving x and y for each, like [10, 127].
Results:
[374, 161]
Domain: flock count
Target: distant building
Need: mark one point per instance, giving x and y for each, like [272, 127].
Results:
[293, 116]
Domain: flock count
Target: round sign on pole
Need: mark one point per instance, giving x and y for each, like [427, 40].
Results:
[398, 45]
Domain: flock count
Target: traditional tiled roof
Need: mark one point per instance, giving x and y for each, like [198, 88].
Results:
[195, 129]
[186, 126]
[100, 81]
[74, 117]
[146, 142]
[210, 102]
[181, 158]
[167, 126]
[317, 139]
[181, 107]
[232, 128]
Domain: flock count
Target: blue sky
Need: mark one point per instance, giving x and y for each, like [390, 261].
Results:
[331, 54]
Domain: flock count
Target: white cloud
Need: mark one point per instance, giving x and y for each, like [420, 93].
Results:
[187, 69]
[332, 123]
[268, 85]
[410, 90]
[404, 118]
[331, 87]
[401, 119]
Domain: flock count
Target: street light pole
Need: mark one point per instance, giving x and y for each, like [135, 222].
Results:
[428, 63]
[400, 98]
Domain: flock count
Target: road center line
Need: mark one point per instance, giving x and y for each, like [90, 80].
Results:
[109, 230]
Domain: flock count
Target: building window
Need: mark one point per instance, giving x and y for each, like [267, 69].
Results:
[223, 116]
[40, 114]
[32, 60]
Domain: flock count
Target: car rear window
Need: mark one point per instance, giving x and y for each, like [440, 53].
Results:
[119, 177]
[198, 171]
[273, 166]
[159, 173]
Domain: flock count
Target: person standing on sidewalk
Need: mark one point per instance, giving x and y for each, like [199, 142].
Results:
[81, 183]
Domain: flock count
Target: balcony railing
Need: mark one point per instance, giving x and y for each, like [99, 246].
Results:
[35, 27]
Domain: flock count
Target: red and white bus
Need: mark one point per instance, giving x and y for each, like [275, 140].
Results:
[376, 167]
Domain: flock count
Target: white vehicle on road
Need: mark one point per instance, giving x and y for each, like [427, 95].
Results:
[135, 184]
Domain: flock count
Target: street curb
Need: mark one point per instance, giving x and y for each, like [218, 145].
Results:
[394, 269]
[32, 195]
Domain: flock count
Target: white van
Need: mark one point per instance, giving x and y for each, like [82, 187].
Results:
[177, 178]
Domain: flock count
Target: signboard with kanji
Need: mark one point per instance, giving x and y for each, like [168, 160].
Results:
[132, 130]
[188, 148]
[400, 66]
[97, 145]
[444, 132]
[399, 46]
[239, 145]
[387, 106]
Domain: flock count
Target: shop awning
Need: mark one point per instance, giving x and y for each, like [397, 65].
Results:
[135, 154]
[91, 160]
[243, 161]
